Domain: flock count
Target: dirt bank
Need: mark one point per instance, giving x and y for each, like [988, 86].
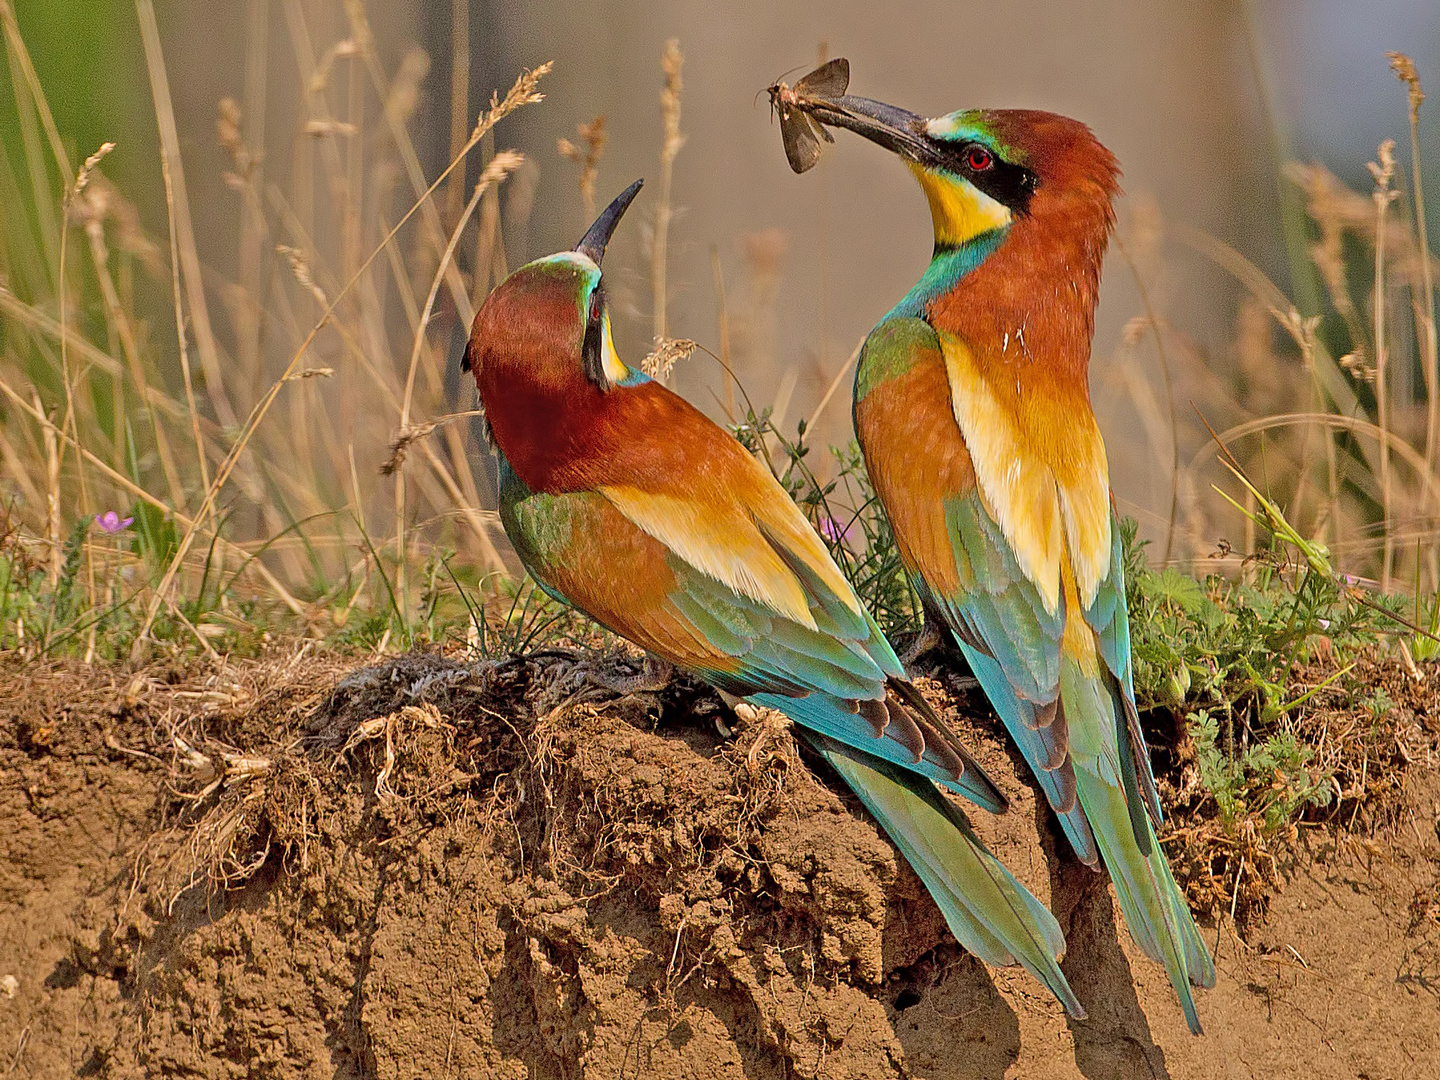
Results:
[305, 867]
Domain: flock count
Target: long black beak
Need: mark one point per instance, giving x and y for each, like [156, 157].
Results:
[897, 130]
[598, 235]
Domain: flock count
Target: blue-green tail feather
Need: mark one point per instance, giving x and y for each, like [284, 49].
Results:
[1107, 786]
[990, 913]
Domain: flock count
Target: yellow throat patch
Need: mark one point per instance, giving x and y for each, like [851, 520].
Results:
[615, 369]
[959, 209]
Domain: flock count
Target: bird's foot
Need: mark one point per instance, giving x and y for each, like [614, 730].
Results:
[929, 637]
[654, 675]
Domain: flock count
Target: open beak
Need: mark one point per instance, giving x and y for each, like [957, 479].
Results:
[897, 130]
[598, 235]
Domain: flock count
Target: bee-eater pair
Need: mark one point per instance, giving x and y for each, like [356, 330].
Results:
[972, 409]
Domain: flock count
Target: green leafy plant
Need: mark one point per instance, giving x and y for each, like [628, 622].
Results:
[1272, 778]
[1231, 644]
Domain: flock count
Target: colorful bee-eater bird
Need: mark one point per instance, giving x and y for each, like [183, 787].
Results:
[626, 502]
[972, 408]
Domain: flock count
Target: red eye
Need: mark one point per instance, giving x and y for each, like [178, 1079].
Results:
[978, 158]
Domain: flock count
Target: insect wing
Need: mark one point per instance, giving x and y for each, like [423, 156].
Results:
[829, 80]
[801, 136]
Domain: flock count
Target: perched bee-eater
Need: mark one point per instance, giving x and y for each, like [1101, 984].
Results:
[972, 407]
[626, 502]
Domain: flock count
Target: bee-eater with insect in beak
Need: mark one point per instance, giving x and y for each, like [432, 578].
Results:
[972, 408]
[626, 502]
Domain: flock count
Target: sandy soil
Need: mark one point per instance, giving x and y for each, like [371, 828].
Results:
[300, 867]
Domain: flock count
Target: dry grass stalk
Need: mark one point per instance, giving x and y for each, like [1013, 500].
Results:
[123, 329]
[32, 84]
[459, 101]
[82, 178]
[1383, 173]
[1336, 211]
[52, 498]
[1154, 326]
[672, 62]
[834, 385]
[593, 136]
[1404, 69]
[500, 166]
[523, 92]
[181, 219]
[70, 422]
[184, 349]
[50, 429]
[722, 326]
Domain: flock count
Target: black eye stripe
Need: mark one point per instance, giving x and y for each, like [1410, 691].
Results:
[592, 347]
[1004, 181]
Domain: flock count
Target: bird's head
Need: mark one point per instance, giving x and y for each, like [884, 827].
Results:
[986, 169]
[546, 328]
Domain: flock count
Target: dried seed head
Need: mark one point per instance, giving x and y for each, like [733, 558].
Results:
[672, 62]
[229, 130]
[82, 178]
[1134, 330]
[1404, 69]
[300, 267]
[227, 125]
[1355, 364]
[593, 136]
[404, 93]
[523, 92]
[322, 128]
[667, 352]
[1383, 171]
[412, 433]
[400, 445]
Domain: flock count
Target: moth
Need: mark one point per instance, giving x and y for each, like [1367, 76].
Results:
[800, 132]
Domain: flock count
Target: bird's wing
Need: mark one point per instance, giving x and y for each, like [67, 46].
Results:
[738, 589]
[728, 579]
[996, 518]
[958, 555]
[1109, 617]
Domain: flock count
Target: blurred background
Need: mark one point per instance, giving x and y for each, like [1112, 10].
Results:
[265, 150]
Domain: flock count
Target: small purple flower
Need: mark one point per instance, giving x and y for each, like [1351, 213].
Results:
[111, 522]
[833, 531]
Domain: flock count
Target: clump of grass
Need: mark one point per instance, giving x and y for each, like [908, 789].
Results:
[1332, 397]
[1230, 645]
[252, 473]
[1287, 714]
[289, 452]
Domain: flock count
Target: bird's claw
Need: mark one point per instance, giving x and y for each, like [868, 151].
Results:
[928, 638]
